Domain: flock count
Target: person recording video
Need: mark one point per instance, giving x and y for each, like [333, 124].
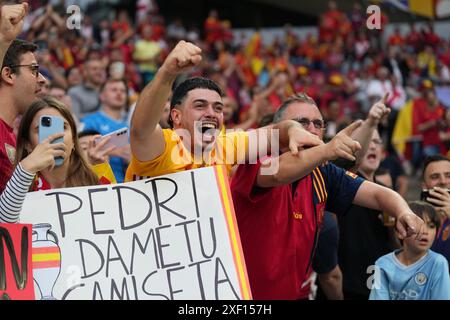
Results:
[436, 191]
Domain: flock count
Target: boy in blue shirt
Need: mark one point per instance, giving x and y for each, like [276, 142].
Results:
[414, 272]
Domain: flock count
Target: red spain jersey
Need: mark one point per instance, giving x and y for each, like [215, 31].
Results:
[7, 153]
[279, 226]
[103, 171]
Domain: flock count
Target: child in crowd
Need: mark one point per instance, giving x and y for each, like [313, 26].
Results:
[414, 272]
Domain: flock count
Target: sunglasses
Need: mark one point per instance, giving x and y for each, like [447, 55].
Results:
[317, 123]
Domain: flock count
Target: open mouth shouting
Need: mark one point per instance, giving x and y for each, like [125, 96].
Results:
[208, 129]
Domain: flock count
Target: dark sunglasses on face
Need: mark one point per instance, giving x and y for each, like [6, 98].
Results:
[317, 123]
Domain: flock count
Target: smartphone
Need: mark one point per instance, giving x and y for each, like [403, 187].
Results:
[119, 138]
[426, 193]
[49, 125]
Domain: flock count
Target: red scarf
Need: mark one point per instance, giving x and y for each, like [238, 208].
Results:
[40, 183]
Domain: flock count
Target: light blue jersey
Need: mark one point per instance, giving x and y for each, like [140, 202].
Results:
[103, 124]
[426, 279]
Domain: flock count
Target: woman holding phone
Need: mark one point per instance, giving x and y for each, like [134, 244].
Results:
[42, 157]
[36, 163]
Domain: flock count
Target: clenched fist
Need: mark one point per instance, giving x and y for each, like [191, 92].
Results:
[11, 21]
[184, 56]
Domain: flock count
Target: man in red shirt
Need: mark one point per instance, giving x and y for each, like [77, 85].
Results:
[212, 27]
[19, 84]
[280, 215]
[330, 22]
[430, 114]
[396, 39]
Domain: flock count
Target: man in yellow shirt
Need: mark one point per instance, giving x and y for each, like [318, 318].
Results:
[146, 54]
[196, 115]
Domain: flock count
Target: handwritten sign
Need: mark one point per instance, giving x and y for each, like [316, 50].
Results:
[16, 278]
[169, 237]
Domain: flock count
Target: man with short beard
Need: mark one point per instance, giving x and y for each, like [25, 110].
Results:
[436, 179]
[196, 116]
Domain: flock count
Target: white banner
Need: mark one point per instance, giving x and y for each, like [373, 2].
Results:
[170, 237]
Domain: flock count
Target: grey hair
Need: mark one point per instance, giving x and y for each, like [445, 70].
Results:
[297, 97]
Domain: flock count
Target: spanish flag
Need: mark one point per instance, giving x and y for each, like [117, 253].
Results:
[425, 8]
[254, 45]
[68, 58]
[403, 129]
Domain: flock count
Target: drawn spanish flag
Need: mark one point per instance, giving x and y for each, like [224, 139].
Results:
[46, 257]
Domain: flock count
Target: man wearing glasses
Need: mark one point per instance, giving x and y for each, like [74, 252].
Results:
[280, 216]
[20, 82]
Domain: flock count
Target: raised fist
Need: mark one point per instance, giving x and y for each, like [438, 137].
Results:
[184, 56]
[11, 21]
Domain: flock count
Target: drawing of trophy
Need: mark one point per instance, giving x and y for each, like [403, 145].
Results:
[46, 259]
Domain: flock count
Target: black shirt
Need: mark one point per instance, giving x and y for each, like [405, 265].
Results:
[362, 240]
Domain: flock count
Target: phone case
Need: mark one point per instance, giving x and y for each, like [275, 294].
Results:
[119, 138]
[56, 126]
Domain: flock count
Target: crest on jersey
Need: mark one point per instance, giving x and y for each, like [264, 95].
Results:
[420, 278]
[351, 174]
[11, 152]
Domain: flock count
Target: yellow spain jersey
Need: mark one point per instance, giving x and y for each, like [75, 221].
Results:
[230, 149]
[104, 173]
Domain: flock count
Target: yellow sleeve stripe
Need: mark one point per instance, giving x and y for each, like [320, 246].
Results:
[319, 194]
[323, 182]
[319, 187]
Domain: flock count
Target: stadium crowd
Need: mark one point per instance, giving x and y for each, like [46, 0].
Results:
[119, 65]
